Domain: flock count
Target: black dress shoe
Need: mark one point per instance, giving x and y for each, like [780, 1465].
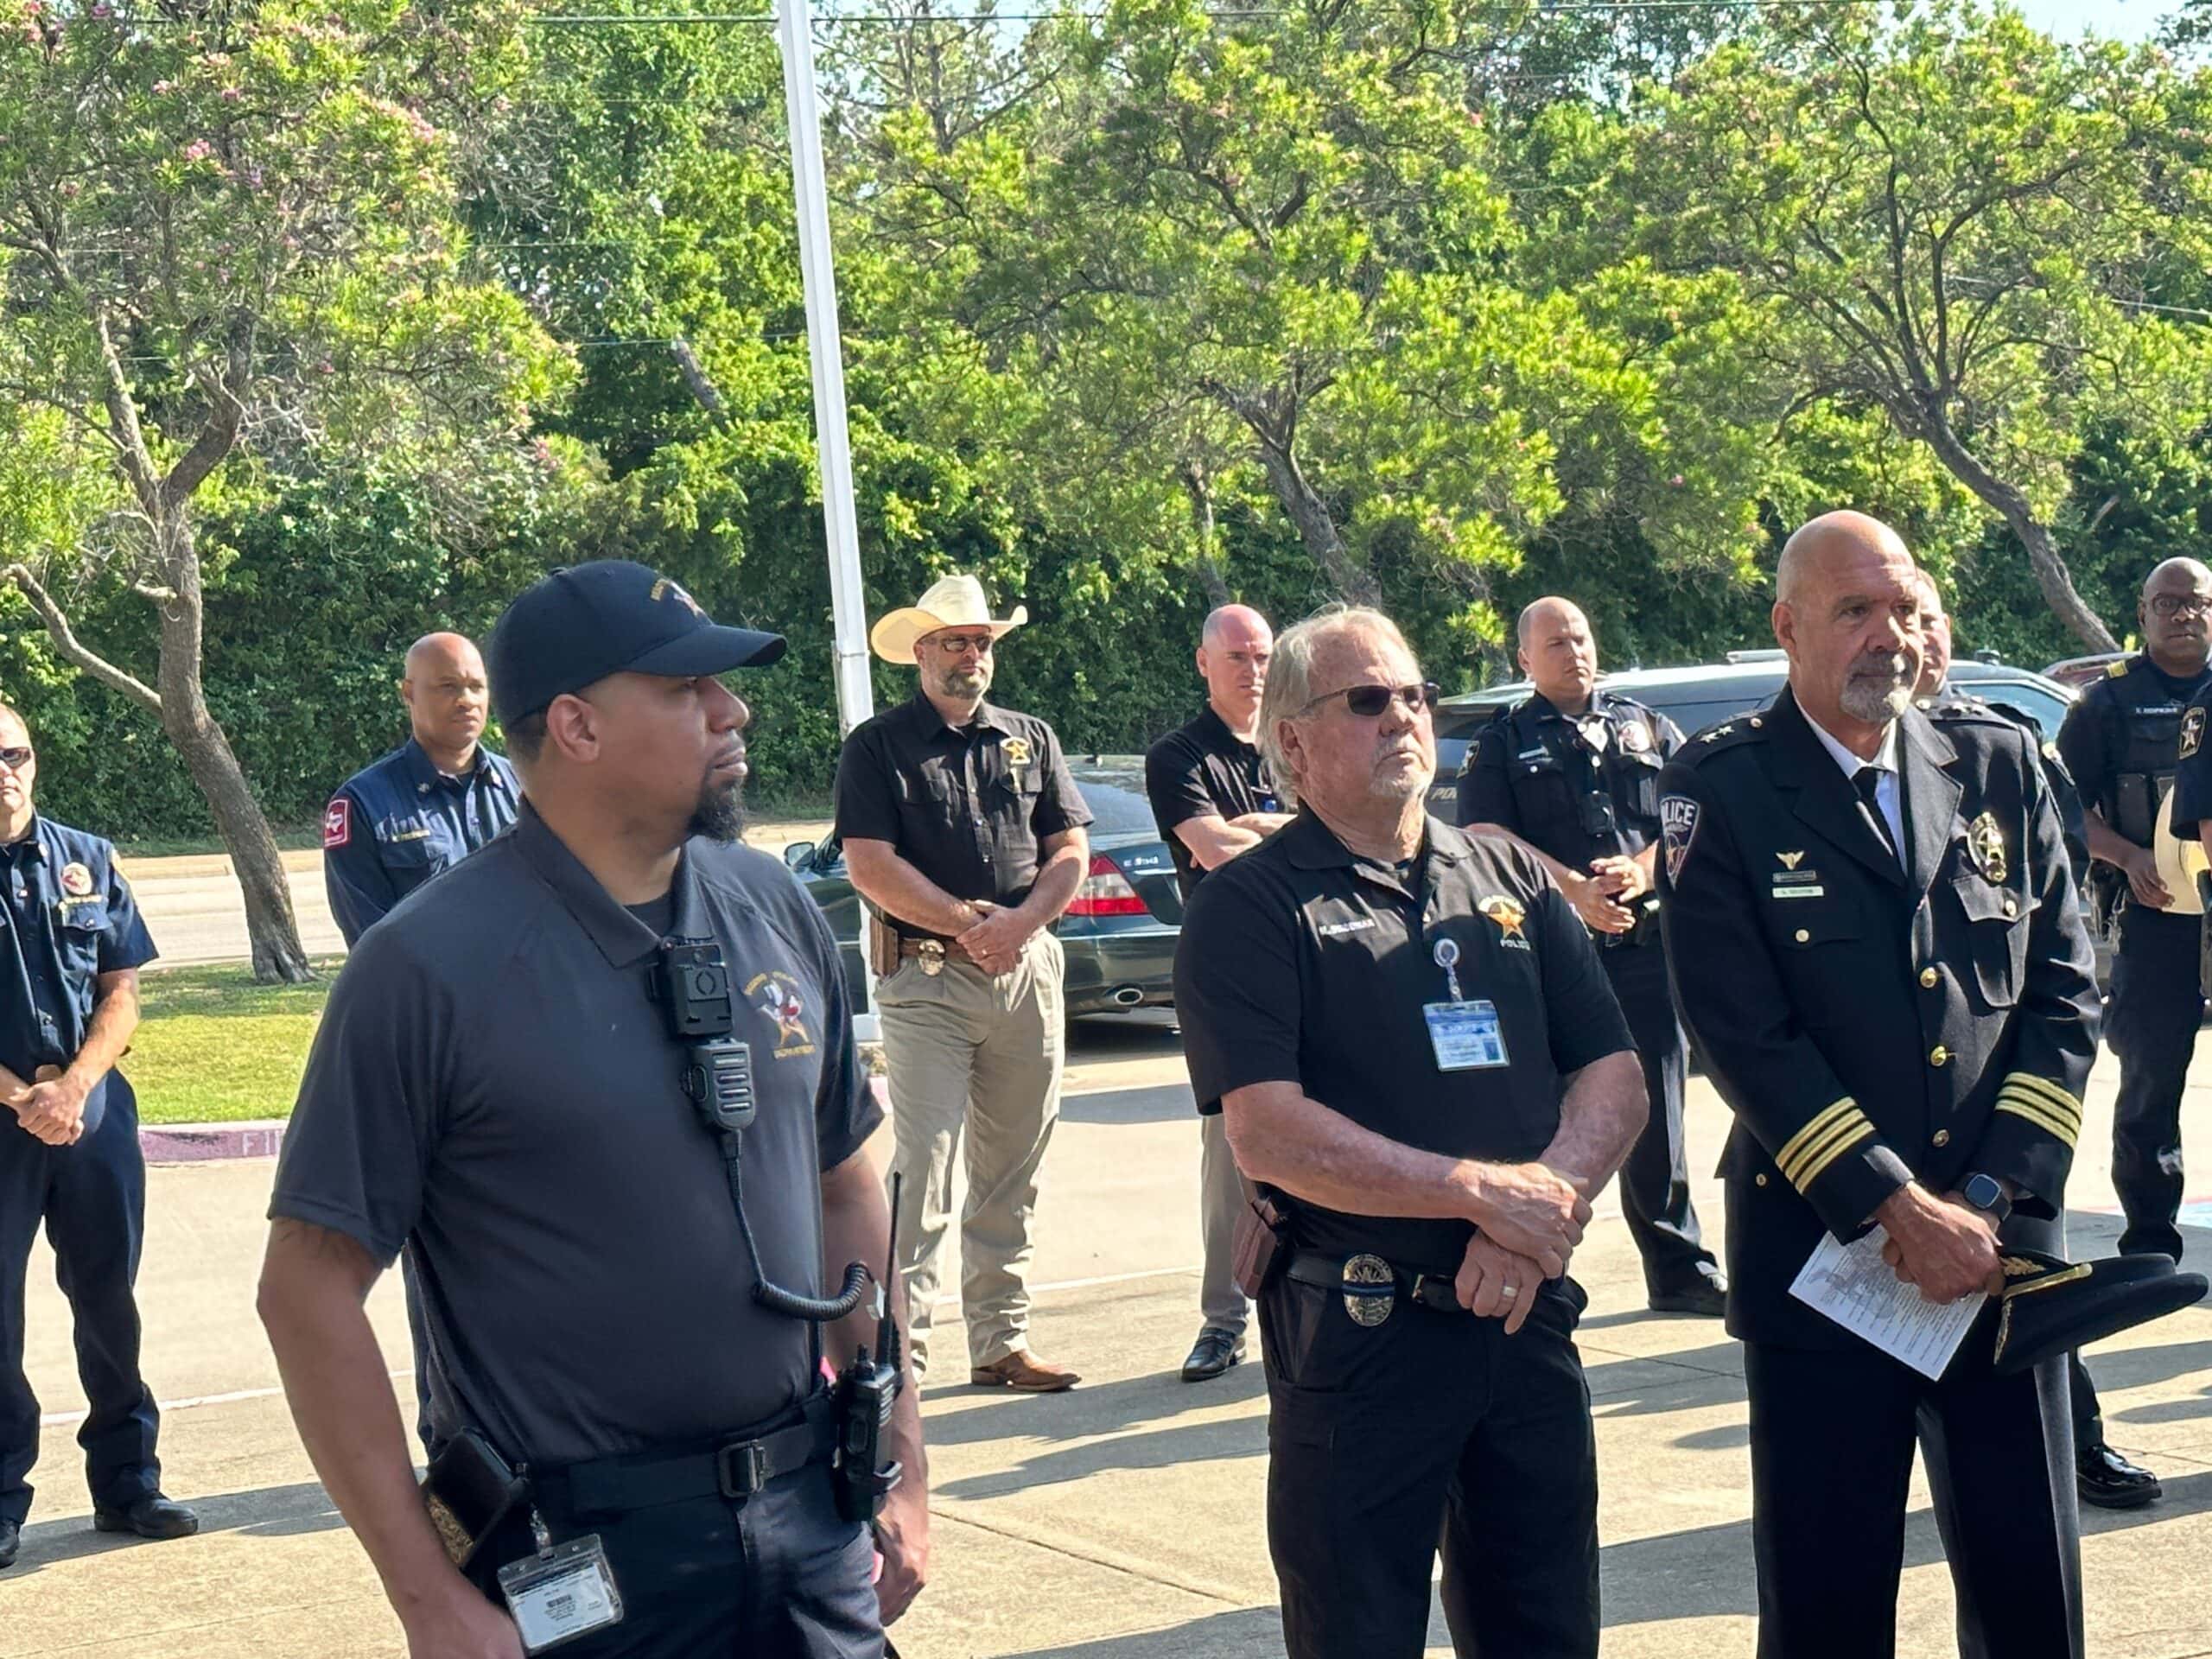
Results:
[1707, 1298]
[2110, 1481]
[151, 1517]
[11, 1539]
[1216, 1350]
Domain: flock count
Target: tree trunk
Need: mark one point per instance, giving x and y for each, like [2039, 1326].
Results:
[1316, 528]
[271, 930]
[2051, 575]
[1211, 581]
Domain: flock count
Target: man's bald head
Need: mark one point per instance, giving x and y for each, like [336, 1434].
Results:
[1558, 652]
[1235, 648]
[2177, 630]
[447, 697]
[1847, 609]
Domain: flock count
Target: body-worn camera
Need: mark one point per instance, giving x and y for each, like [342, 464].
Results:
[691, 984]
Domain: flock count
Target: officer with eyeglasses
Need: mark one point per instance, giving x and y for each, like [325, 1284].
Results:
[1572, 773]
[2122, 741]
[1427, 1077]
[70, 946]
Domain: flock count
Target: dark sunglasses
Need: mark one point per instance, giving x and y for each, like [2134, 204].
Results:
[15, 760]
[1369, 700]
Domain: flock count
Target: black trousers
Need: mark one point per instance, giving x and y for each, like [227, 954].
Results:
[1430, 1426]
[1831, 1444]
[92, 1198]
[2151, 1023]
[1654, 1181]
[777, 1575]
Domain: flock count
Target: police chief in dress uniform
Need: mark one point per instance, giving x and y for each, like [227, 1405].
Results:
[69, 1154]
[499, 1083]
[1573, 773]
[1212, 800]
[1422, 1065]
[428, 804]
[965, 832]
[2102, 1475]
[1875, 946]
[2122, 740]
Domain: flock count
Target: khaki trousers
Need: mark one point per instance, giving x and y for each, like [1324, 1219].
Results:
[1221, 1203]
[969, 1054]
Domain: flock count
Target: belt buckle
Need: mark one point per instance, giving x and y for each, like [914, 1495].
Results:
[741, 1469]
[932, 957]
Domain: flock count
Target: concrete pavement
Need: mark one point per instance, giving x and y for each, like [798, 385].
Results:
[1120, 1522]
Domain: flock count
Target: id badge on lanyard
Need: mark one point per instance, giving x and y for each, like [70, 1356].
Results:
[1464, 1036]
[564, 1591]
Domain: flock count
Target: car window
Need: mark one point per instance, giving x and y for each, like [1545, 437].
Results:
[1115, 812]
[2047, 710]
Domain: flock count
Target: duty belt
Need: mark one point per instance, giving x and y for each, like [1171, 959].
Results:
[1351, 1275]
[933, 953]
[736, 1468]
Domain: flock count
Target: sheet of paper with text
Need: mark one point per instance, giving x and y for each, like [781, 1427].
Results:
[1851, 1285]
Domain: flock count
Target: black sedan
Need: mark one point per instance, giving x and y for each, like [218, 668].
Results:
[1119, 934]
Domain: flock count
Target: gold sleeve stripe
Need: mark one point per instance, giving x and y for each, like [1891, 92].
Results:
[1794, 1150]
[1861, 1130]
[2043, 1119]
[1817, 1153]
[2029, 1086]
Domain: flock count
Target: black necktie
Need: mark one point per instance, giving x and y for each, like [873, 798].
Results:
[1866, 781]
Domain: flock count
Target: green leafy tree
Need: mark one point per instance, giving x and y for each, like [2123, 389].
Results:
[229, 243]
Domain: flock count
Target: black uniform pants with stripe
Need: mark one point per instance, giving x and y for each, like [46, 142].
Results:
[1833, 1435]
[1654, 1180]
[1431, 1426]
[2151, 1023]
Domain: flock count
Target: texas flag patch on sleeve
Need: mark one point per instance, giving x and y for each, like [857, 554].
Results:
[337, 822]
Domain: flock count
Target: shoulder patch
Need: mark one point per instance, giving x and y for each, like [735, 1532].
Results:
[2192, 730]
[337, 823]
[1678, 817]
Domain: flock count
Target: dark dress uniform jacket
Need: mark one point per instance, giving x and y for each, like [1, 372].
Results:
[1867, 1021]
[399, 821]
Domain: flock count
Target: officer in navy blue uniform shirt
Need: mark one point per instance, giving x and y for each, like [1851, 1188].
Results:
[1572, 773]
[499, 1083]
[69, 1149]
[428, 804]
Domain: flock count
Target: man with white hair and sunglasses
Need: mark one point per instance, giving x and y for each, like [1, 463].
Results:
[1427, 1076]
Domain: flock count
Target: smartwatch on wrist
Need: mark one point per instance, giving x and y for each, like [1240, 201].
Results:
[1987, 1194]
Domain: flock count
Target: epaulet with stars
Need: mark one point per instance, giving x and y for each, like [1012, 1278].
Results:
[1728, 735]
[1963, 705]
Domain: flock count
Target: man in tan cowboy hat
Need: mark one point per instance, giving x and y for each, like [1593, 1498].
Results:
[965, 832]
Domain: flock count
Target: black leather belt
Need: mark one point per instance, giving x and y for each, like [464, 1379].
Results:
[737, 1468]
[1430, 1290]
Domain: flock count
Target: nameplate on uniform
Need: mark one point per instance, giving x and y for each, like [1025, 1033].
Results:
[1466, 1036]
[561, 1593]
[1797, 884]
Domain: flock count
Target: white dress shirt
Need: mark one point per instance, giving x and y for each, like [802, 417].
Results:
[1888, 794]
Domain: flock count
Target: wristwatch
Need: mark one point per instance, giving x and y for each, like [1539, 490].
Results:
[1987, 1194]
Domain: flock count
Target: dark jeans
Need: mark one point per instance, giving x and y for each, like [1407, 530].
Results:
[2151, 1023]
[776, 1575]
[92, 1197]
[1654, 1181]
[1832, 1443]
[1381, 1440]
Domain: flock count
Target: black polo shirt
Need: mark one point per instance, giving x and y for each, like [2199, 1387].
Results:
[68, 918]
[1301, 964]
[969, 806]
[493, 1083]
[1200, 771]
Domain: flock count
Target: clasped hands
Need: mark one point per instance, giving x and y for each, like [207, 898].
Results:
[51, 1106]
[1531, 1218]
[994, 942]
[1944, 1245]
[1602, 897]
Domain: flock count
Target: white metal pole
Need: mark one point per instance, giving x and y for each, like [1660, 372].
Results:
[825, 356]
[809, 186]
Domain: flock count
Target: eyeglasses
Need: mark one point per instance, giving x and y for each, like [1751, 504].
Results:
[1369, 700]
[15, 760]
[954, 644]
[2182, 604]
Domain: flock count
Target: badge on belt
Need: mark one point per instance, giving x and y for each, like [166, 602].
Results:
[931, 953]
[1370, 1289]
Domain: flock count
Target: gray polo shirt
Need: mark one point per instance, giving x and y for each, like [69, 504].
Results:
[492, 1081]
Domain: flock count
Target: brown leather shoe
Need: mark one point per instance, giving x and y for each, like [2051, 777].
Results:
[1023, 1373]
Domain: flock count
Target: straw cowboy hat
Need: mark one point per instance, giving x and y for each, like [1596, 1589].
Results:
[954, 602]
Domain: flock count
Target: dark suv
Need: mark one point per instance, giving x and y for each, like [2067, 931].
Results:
[1694, 698]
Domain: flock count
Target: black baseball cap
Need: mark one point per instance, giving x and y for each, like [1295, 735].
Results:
[581, 624]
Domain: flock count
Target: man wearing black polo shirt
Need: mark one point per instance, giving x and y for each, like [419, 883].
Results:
[1212, 800]
[965, 832]
[497, 1085]
[1421, 1064]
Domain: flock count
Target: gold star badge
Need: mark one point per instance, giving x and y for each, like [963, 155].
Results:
[1506, 912]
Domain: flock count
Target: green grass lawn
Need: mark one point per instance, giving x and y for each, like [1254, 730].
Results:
[215, 1047]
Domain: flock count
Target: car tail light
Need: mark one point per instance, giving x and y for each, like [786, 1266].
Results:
[1106, 891]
